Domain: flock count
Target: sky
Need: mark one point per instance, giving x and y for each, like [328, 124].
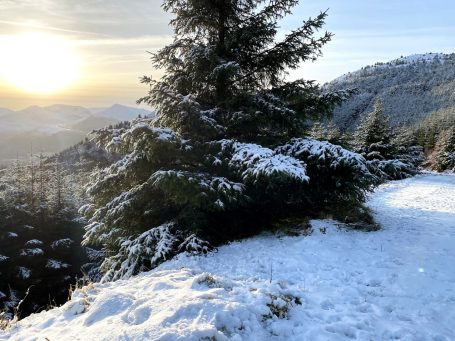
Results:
[111, 39]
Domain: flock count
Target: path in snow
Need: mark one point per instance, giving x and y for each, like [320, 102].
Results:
[394, 284]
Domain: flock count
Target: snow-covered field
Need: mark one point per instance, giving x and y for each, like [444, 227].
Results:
[394, 284]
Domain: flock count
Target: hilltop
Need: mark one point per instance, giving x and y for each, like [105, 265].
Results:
[411, 88]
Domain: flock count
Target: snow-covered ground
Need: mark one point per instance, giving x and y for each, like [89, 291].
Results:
[394, 284]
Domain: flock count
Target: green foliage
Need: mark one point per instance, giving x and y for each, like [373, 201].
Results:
[427, 131]
[443, 157]
[225, 74]
[207, 169]
[391, 155]
[336, 174]
[328, 131]
[372, 137]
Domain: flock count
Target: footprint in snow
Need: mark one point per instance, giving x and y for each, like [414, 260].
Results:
[138, 316]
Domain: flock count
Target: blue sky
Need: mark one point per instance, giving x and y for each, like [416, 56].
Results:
[112, 37]
[372, 31]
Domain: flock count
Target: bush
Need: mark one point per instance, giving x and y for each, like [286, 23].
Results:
[207, 168]
[336, 174]
[385, 170]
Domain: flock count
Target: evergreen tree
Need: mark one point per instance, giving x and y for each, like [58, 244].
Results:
[210, 166]
[318, 131]
[372, 137]
[40, 244]
[387, 158]
[406, 147]
[443, 157]
[334, 134]
[327, 131]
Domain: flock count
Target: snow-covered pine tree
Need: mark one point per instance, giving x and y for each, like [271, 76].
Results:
[373, 139]
[209, 167]
[334, 134]
[318, 131]
[406, 146]
[443, 156]
[372, 136]
[327, 131]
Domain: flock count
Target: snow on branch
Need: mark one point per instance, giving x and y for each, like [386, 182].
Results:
[199, 189]
[152, 246]
[149, 249]
[309, 149]
[255, 162]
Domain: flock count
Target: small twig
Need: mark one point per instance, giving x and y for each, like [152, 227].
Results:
[16, 309]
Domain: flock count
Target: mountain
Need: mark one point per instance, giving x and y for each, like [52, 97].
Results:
[410, 88]
[4, 111]
[54, 128]
[121, 112]
[92, 122]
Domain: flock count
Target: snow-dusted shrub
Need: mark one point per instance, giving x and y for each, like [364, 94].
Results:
[148, 250]
[272, 180]
[390, 169]
[336, 174]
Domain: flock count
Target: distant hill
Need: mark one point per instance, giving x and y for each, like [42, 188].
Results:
[411, 88]
[54, 128]
[120, 112]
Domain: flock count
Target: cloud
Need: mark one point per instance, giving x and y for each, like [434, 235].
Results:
[110, 18]
[38, 26]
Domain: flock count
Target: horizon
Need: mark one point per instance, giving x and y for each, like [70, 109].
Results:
[106, 57]
[90, 108]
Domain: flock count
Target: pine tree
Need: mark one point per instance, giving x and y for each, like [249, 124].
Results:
[372, 137]
[210, 166]
[334, 134]
[406, 146]
[443, 157]
[318, 131]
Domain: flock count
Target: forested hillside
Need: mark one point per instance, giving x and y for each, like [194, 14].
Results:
[54, 128]
[410, 88]
[41, 255]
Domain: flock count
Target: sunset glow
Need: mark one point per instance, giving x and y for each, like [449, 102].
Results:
[38, 63]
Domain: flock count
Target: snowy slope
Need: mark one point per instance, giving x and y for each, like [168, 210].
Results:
[394, 284]
[410, 88]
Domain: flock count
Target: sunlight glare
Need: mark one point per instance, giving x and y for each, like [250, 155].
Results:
[38, 63]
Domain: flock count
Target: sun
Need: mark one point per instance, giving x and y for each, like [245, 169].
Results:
[38, 63]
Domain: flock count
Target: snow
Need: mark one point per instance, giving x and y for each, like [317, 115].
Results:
[64, 243]
[23, 272]
[400, 62]
[33, 242]
[256, 161]
[56, 264]
[321, 150]
[336, 284]
[426, 57]
[31, 252]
